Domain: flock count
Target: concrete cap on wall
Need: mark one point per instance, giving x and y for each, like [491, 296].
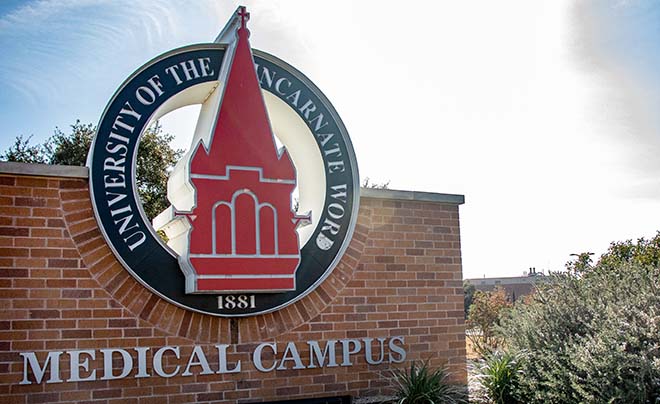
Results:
[43, 170]
[411, 196]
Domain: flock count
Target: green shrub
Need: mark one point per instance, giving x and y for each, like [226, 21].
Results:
[498, 375]
[422, 385]
[483, 318]
[592, 335]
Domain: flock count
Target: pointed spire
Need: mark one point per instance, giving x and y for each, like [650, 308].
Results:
[242, 135]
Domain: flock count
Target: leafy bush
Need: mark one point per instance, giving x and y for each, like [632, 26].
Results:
[483, 318]
[154, 160]
[592, 335]
[498, 375]
[422, 385]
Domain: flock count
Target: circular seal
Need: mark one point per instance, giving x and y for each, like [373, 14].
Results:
[315, 140]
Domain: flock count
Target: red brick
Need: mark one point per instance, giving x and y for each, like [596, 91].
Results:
[45, 212]
[73, 184]
[46, 232]
[77, 334]
[14, 273]
[122, 323]
[45, 314]
[14, 231]
[23, 201]
[76, 293]
[55, 223]
[14, 252]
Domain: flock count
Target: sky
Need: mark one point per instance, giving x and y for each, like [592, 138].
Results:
[544, 114]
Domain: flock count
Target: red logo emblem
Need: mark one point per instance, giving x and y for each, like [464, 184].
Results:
[242, 235]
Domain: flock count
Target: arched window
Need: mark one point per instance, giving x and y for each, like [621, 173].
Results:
[244, 226]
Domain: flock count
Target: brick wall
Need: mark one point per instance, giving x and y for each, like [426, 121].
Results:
[62, 289]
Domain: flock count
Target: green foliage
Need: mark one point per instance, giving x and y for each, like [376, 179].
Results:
[154, 161]
[468, 296]
[484, 317]
[70, 150]
[422, 385]
[23, 152]
[593, 336]
[643, 252]
[581, 264]
[498, 375]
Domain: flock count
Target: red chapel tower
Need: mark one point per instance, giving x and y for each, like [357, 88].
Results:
[242, 234]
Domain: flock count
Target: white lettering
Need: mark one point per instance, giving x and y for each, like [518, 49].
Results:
[205, 67]
[145, 95]
[340, 192]
[199, 361]
[189, 67]
[308, 108]
[329, 225]
[315, 352]
[367, 351]
[222, 360]
[127, 362]
[142, 362]
[293, 98]
[397, 349]
[123, 228]
[155, 83]
[266, 77]
[278, 85]
[325, 138]
[114, 182]
[291, 354]
[258, 360]
[172, 71]
[114, 165]
[335, 210]
[158, 361]
[334, 166]
[77, 364]
[52, 361]
[138, 242]
[127, 109]
[347, 351]
[319, 122]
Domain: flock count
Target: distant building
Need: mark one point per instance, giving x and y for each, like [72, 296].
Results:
[514, 286]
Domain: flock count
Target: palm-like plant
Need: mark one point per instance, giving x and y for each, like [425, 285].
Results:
[422, 385]
[498, 375]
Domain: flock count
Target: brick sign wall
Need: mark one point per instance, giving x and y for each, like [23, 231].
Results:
[62, 291]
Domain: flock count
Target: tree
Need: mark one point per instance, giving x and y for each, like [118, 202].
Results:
[21, 151]
[581, 264]
[154, 161]
[643, 252]
[592, 336]
[70, 150]
[468, 296]
[484, 316]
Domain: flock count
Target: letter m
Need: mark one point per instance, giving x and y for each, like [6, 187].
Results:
[328, 352]
[52, 361]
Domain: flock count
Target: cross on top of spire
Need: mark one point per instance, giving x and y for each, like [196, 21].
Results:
[245, 16]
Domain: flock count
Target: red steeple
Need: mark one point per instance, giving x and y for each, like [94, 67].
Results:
[242, 134]
[242, 235]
